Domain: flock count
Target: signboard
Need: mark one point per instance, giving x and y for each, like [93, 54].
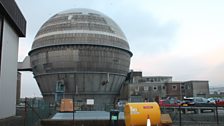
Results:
[90, 101]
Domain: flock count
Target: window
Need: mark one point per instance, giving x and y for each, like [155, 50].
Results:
[164, 88]
[155, 88]
[60, 87]
[146, 88]
[182, 87]
[174, 87]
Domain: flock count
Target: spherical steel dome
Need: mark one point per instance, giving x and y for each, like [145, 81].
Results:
[85, 51]
[80, 26]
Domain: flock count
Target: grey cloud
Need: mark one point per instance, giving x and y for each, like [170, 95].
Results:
[145, 33]
[216, 75]
[183, 68]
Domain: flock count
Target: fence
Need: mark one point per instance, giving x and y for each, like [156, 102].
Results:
[33, 110]
[195, 116]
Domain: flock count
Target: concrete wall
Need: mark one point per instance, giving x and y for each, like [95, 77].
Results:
[200, 88]
[147, 90]
[8, 76]
[188, 89]
[173, 89]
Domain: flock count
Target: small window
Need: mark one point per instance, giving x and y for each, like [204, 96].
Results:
[60, 87]
[182, 87]
[146, 88]
[164, 88]
[155, 88]
[174, 87]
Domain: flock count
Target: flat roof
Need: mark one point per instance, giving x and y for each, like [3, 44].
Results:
[10, 10]
[197, 81]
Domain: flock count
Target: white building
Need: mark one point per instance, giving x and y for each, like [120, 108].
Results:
[12, 26]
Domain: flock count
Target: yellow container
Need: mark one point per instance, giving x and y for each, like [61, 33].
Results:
[136, 114]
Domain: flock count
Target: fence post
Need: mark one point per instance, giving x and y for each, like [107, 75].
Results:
[25, 110]
[49, 109]
[73, 114]
[217, 115]
[180, 114]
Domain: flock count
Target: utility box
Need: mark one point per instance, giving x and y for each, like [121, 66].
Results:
[66, 105]
[114, 116]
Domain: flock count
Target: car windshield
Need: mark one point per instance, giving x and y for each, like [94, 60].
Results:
[189, 99]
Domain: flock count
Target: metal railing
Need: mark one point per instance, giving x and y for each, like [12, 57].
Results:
[195, 116]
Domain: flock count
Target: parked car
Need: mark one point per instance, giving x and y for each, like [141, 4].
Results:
[188, 102]
[169, 102]
[219, 102]
[212, 100]
[197, 102]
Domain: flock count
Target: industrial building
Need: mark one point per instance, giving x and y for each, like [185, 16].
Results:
[80, 54]
[139, 88]
[193, 88]
[12, 26]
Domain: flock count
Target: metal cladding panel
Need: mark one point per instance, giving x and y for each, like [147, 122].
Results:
[86, 38]
[85, 82]
[86, 50]
[81, 83]
[80, 58]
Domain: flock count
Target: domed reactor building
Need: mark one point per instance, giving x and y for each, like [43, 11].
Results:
[80, 54]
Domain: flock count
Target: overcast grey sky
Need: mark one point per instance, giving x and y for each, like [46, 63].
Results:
[179, 38]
